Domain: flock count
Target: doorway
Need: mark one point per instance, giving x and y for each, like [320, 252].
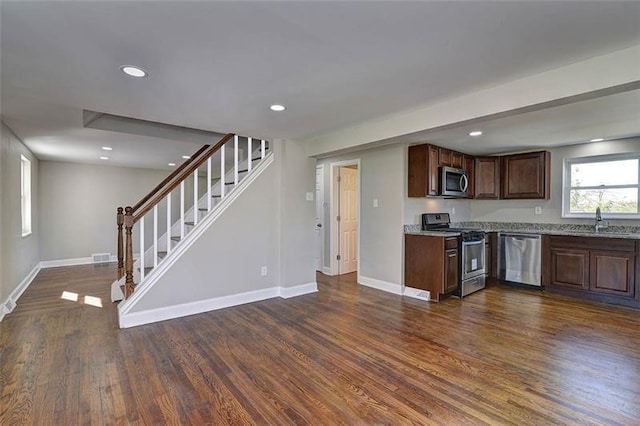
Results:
[345, 216]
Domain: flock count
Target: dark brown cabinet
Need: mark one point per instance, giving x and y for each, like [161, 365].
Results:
[444, 156]
[423, 171]
[431, 263]
[525, 176]
[603, 269]
[487, 177]
[468, 164]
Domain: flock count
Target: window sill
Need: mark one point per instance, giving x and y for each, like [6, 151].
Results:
[592, 216]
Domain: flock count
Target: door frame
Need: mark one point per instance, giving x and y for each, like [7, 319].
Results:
[321, 198]
[334, 236]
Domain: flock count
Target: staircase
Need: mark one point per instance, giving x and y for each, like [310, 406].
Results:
[163, 223]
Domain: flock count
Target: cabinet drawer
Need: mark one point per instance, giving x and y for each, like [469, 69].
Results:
[451, 243]
[618, 244]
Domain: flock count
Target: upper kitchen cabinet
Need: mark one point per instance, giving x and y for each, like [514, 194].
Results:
[423, 170]
[526, 176]
[487, 181]
[468, 164]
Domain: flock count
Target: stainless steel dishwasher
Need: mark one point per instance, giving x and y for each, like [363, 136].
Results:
[519, 258]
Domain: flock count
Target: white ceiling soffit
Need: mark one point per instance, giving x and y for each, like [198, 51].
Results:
[134, 126]
[218, 66]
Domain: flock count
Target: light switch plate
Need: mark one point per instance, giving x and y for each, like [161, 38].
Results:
[375, 202]
[309, 196]
[538, 210]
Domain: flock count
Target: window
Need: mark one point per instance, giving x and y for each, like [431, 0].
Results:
[25, 194]
[610, 182]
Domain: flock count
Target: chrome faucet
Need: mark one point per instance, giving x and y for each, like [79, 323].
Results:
[600, 224]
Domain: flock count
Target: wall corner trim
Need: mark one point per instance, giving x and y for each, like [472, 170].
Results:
[380, 285]
[9, 304]
[299, 290]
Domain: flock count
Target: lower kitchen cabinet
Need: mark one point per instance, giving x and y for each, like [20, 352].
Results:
[604, 269]
[491, 254]
[431, 263]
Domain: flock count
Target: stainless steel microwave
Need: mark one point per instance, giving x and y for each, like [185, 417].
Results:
[453, 182]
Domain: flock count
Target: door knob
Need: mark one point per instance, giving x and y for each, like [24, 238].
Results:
[319, 225]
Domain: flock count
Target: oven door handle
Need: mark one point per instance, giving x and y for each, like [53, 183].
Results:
[473, 243]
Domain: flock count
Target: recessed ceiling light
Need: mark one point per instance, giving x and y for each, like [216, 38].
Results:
[172, 164]
[186, 157]
[104, 158]
[107, 148]
[475, 133]
[134, 71]
[277, 107]
[597, 140]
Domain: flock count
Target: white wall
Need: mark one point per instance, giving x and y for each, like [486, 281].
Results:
[297, 214]
[523, 211]
[382, 177]
[227, 258]
[78, 206]
[18, 255]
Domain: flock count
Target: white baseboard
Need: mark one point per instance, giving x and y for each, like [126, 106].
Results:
[9, 304]
[417, 293]
[66, 262]
[299, 290]
[380, 285]
[132, 319]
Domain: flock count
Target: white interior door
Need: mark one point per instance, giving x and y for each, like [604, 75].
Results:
[319, 218]
[348, 220]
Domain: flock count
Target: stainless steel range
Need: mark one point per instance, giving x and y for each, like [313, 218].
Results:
[471, 250]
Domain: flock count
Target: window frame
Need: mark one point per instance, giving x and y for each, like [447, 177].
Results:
[566, 184]
[26, 212]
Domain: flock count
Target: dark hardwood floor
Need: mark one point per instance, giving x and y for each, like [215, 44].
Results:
[345, 355]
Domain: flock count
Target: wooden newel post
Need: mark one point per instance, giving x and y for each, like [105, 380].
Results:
[128, 226]
[120, 221]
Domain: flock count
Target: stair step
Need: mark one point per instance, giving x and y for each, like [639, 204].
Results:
[203, 209]
[190, 223]
[175, 239]
[147, 269]
[216, 196]
[162, 254]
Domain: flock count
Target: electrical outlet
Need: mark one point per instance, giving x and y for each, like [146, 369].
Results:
[310, 196]
[263, 271]
[453, 211]
[375, 202]
[538, 210]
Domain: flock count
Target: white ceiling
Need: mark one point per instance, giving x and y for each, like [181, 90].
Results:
[218, 66]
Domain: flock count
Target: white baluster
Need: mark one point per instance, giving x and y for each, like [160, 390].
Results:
[249, 154]
[262, 148]
[155, 235]
[141, 249]
[195, 197]
[181, 210]
[222, 172]
[235, 160]
[168, 223]
[209, 185]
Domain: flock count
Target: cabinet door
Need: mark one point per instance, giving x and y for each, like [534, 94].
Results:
[445, 157]
[433, 171]
[487, 182]
[456, 159]
[488, 260]
[569, 268]
[525, 176]
[612, 272]
[468, 164]
[450, 270]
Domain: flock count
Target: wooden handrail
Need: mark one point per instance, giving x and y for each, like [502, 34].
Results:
[169, 178]
[159, 196]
